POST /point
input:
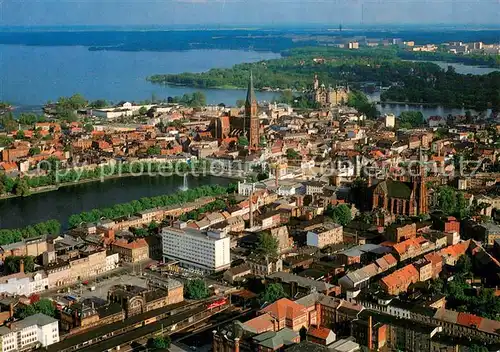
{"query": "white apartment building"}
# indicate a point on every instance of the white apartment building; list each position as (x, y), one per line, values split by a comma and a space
(22, 284)
(205, 250)
(34, 331)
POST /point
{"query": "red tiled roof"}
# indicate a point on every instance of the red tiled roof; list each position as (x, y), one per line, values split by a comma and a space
(8, 166)
(389, 258)
(138, 243)
(402, 247)
(261, 324)
(434, 258)
(284, 309)
(469, 319)
(319, 332)
(456, 250)
(400, 277)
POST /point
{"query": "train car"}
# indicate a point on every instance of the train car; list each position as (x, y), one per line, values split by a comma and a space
(218, 303)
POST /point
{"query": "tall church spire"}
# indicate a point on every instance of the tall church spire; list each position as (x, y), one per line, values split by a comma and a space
(251, 113)
(250, 92)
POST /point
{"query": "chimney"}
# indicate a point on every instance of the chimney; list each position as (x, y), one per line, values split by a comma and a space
(318, 314)
(21, 266)
(110, 233)
(214, 341)
(236, 344)
(11, 310)
(370, 342)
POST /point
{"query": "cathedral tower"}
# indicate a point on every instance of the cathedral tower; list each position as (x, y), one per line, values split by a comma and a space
(251, 112)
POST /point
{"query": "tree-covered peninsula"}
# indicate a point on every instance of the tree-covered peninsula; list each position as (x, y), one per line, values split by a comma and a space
(406, 81)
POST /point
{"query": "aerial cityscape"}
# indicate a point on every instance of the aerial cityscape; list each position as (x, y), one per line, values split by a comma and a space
(226, 176)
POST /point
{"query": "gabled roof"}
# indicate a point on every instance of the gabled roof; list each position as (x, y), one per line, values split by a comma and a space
(284, 309)
(455, 250)
(319, 332)
(400, 276)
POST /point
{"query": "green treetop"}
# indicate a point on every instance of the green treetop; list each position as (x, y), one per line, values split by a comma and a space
(196, 289)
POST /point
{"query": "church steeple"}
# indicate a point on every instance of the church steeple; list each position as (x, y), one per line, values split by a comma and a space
(251, 112)
(250, 93)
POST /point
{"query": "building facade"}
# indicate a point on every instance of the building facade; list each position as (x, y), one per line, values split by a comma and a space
(205, 250)
(38, 330)
(322, 237)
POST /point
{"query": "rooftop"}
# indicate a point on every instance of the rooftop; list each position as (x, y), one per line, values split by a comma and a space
(301, 281)
(284, 309)
(275, 340)
(38, 319)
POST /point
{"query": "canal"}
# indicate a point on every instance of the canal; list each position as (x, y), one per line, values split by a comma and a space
(61, 204)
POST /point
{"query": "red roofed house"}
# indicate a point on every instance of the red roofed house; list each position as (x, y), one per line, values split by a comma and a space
(436, 262)
(451, 254)
(287, 314)
(407, 249)
(321, 335)
(400, 280)
(133, 251)
(8, 167)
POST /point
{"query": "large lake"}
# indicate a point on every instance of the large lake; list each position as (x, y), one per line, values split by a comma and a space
(61, 204)
(33, 75)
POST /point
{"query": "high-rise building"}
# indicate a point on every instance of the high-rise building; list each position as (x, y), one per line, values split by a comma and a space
(205, 250)
(251, 112)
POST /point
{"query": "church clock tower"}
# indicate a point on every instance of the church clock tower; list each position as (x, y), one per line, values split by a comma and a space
(251, 112)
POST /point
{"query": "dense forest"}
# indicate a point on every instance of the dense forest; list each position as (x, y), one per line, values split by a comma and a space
(449, 89)
(414, 82)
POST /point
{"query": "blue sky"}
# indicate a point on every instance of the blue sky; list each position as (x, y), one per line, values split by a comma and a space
(247, 12)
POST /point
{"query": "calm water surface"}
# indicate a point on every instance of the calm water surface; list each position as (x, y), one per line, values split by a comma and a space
(33, 75)
(61, 204)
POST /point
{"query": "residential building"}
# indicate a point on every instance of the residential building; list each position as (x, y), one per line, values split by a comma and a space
(390, 120)
(378, 331)
(314, 187)
(285, 242)
(321, 335)
(37, 330)
(62, 270)
(24, 284)
(452, 253)
(32, 246)
(205, 250)
(264, 266)
(131, 251)
(237, 273)
(400, 280)
(325, 236)
(399, 233)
